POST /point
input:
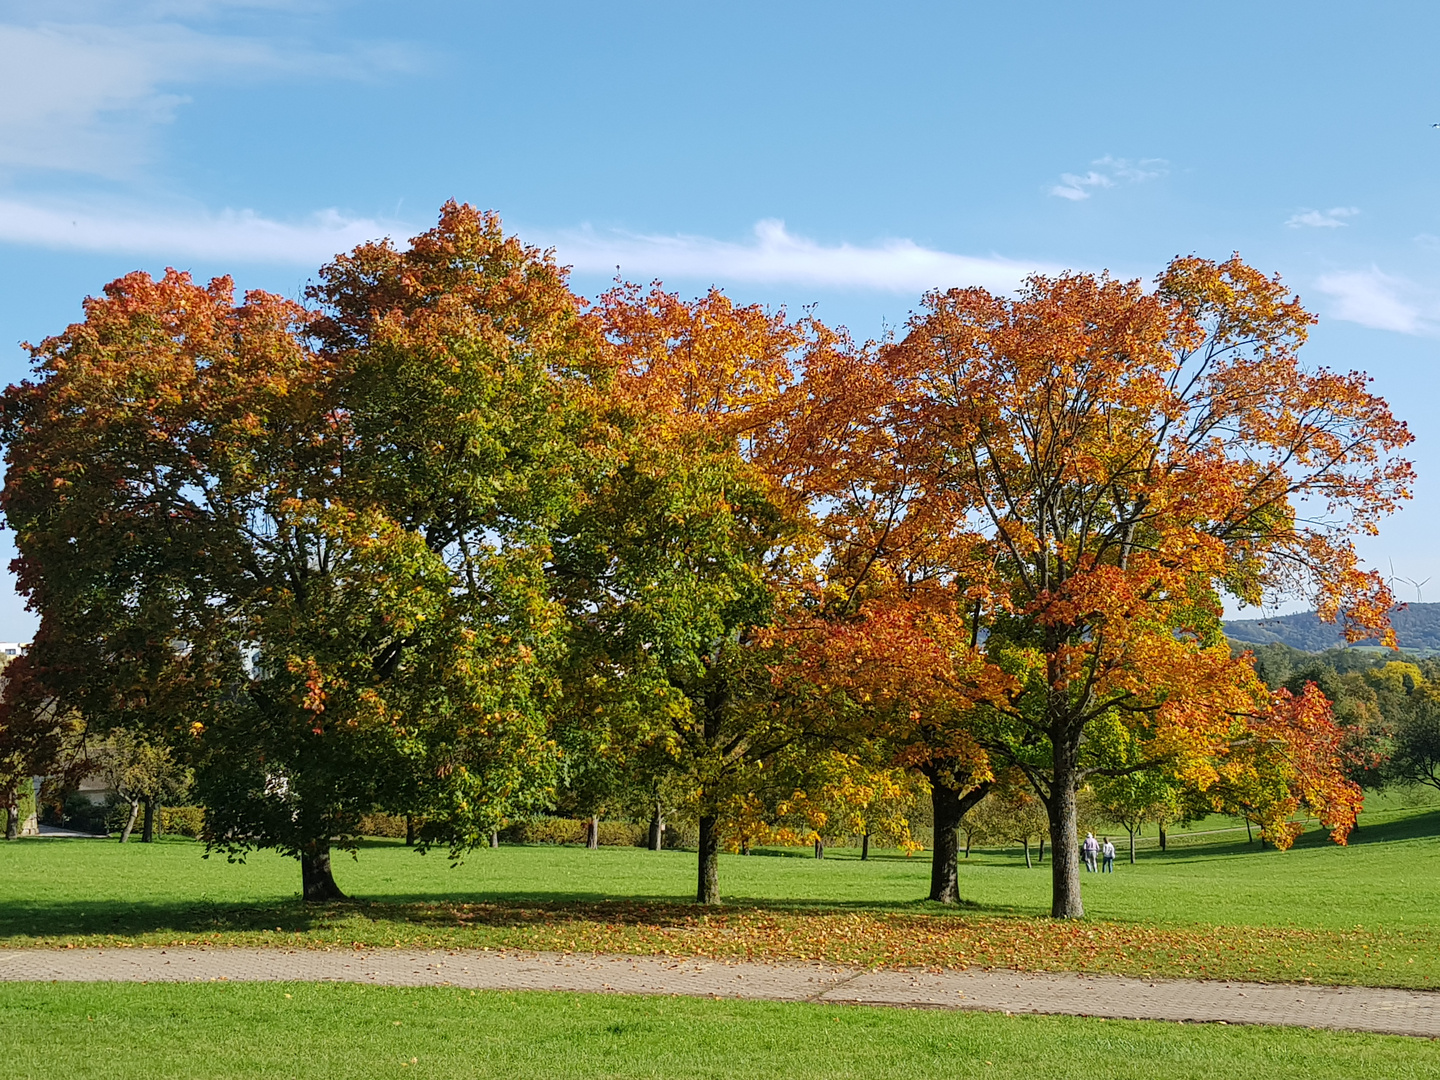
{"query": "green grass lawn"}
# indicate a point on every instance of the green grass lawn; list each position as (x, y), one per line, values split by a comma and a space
(1212, 905)
(323, 1030)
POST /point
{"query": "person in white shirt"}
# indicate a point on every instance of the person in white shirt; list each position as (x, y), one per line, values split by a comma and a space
(1090, 848)
(1108, 851)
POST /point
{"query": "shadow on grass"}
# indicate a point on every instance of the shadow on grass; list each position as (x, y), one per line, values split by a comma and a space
(194, 921)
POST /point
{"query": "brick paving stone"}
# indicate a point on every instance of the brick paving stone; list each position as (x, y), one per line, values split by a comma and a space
(1352, 1008)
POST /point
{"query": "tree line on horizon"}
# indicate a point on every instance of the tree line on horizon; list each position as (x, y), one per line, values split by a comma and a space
(452, 542)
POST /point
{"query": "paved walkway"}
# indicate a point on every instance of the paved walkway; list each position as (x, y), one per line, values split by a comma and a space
(1398, 1012)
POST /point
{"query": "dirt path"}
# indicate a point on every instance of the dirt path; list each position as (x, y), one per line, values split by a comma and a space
(1398, 1012)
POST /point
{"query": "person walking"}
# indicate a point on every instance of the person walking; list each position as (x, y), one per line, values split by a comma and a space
(1108, 852)
(1090, 848)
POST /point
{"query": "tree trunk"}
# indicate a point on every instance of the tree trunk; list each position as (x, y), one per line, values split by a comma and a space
(147, 829)
(968, 837)
(409, 830)
(708, 890)
(657, 830)
(1132, 846)
(1163, 837)
(819, 848)
(1065, 900)
(317, 881)
(1026, 842)
(592, 833)
(494, 838)
(865, 847)
(130, 821)
(950, 807)
(12, 822)
(1041, 857)
(1249, 836)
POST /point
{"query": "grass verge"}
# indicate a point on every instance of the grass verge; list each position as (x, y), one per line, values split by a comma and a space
(119, 1031)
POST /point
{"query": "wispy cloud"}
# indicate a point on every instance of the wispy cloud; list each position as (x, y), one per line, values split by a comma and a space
(179, 235)
(83, 96)
(1108, 172)
(1381, 301)
(775, 255)
(1334, 218)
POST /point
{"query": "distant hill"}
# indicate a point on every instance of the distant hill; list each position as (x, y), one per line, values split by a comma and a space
(1417, 627)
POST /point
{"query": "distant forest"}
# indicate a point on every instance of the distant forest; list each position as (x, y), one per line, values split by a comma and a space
(1417, 627)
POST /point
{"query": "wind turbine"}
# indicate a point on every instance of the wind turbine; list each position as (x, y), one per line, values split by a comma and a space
(1416, 585)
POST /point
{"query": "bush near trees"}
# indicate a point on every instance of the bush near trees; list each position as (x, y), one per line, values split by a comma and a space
(456, 545)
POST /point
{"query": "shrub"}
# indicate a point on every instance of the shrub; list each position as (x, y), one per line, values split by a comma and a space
(182, 820)
(558, 830)
(622, 834)
(382, 825)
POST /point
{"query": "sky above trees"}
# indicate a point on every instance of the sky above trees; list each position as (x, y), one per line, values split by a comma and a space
(832, 154)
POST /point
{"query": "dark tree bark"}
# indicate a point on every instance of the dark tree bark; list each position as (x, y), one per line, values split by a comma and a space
(317, 881)
(1066, 902)
(1249, 836)
(1132, 846)
(819, 848)
(409, 830)
(708, 890)
(1041, 857)
(657, 830)
(592, 833)
(949, 806)
(1164, 838)
(1026, 842)
(12, 822)
(864, 847)
(147, 828)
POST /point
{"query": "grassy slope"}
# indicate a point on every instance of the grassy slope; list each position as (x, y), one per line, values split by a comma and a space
(1212, 906)
(322, 1030)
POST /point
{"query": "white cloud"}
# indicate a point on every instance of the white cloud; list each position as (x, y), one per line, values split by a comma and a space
(1108, 172)
(83, 96)
(1334, 218)
(776, 255)
(1381, 301)
(240, 236)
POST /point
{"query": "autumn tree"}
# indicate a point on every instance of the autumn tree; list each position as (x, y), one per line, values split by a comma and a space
(1010, 813)
(694, 546)
(311, 551)
(908, 680)
(1102, 462)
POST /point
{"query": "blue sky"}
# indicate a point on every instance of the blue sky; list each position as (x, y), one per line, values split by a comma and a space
(846, 155)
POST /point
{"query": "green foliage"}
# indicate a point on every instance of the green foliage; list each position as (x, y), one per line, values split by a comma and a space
(559, 830)
(1416, 758)
(182, 821)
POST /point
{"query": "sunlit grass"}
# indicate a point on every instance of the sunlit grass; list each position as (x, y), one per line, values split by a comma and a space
(1211, 906)
(120, 1031)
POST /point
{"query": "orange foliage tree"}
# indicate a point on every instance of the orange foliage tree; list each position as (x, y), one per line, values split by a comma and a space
(1097, 463)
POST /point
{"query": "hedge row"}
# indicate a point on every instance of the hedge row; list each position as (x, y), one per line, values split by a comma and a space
(182, 820)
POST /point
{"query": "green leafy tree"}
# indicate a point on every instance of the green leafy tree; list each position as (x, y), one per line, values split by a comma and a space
(143, 774)
(1416, 757)
(312, 552)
